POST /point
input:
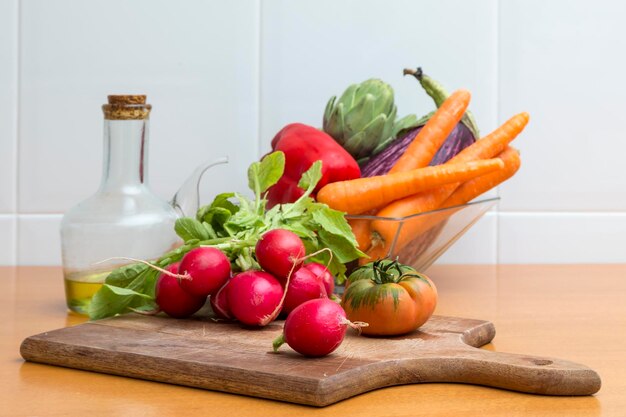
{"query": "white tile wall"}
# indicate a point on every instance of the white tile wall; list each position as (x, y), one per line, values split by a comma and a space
(311, 51)
(224, 77)
(37, 241)
(562, 62)
(8, 101)
(196, 60)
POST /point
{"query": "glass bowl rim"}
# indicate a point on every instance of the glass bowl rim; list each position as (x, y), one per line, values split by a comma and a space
(424, 213)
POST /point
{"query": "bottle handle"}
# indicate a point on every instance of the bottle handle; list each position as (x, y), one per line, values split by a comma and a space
(186, 201)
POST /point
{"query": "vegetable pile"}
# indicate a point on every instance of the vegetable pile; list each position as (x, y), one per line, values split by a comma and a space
(396, 178)
(283, 251)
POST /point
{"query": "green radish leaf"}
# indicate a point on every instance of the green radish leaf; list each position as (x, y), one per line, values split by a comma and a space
(105, 303)
(243, 220)
(125, 291)
(146, 307)
(334, 222)
(149, 285)
(111, 300)
(223, 201)
(274, 215)
(188, 228)
(210, 230)
(299, 229)
(343, 249)
(292, 211)
(262, 175)
(216, 217)
(311, 177)
(335, 267)
(220, 201)
(123, 276)
(114, 299)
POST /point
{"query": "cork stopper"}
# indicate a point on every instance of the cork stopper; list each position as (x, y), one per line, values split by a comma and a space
(126, 107)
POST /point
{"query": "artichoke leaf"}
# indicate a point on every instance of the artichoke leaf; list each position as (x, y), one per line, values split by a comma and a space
(334, 124)
(348, 97)
(398, 128)
(380, 90)
(354, 144)
(374, 130)
(359, 115)
(408, 122)
(329, 111)
(388, 129)
(361, 144)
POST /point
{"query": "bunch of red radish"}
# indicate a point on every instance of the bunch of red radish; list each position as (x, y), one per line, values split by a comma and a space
(256, 297)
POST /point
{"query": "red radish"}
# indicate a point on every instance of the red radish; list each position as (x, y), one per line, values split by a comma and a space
(280, 251)
(219, 303)
(172, 299)
(208, 270)
(254, 297)
(304, 285)
(315, 328)
(322, 271)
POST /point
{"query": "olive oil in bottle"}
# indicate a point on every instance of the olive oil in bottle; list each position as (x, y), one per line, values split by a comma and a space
(80, 288)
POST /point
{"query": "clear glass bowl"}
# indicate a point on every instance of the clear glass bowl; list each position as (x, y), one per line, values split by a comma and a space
(420, 239)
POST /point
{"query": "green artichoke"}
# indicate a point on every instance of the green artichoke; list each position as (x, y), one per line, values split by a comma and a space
(363, 120)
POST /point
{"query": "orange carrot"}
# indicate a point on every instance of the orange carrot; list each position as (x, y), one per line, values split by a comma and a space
(385, 236)
(426, 227)
(473, 188)
(466, 192)
(495, 142)
(384, 233)
(364, 194)
(362, 232)
(428, 141)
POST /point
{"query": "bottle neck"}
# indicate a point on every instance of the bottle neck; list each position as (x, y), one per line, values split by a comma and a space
(125, 155)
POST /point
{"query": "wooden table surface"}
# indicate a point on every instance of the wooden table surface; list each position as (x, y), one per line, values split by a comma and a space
(570, 312)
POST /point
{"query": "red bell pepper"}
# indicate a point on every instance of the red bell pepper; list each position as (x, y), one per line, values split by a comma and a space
(302, 146)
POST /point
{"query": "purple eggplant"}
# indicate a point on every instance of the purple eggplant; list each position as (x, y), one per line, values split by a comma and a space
(460, 138)
(464, 134)
(382, 162)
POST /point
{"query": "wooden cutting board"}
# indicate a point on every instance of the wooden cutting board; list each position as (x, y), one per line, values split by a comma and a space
(226, 357)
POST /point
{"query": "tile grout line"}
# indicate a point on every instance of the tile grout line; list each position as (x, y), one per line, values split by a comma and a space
(259, 57)
(497, 17)
(16, 129)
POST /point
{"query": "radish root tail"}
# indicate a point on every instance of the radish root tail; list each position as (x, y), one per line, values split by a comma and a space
(151, 265)
(267, 319)
(309, 256)
(356, 325)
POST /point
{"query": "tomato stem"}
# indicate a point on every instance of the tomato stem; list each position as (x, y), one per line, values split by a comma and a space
(384, 272)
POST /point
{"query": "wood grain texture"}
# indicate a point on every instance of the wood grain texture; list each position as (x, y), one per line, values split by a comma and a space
(227, 357)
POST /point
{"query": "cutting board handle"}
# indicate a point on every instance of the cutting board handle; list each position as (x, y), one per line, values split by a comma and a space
(532, 374)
